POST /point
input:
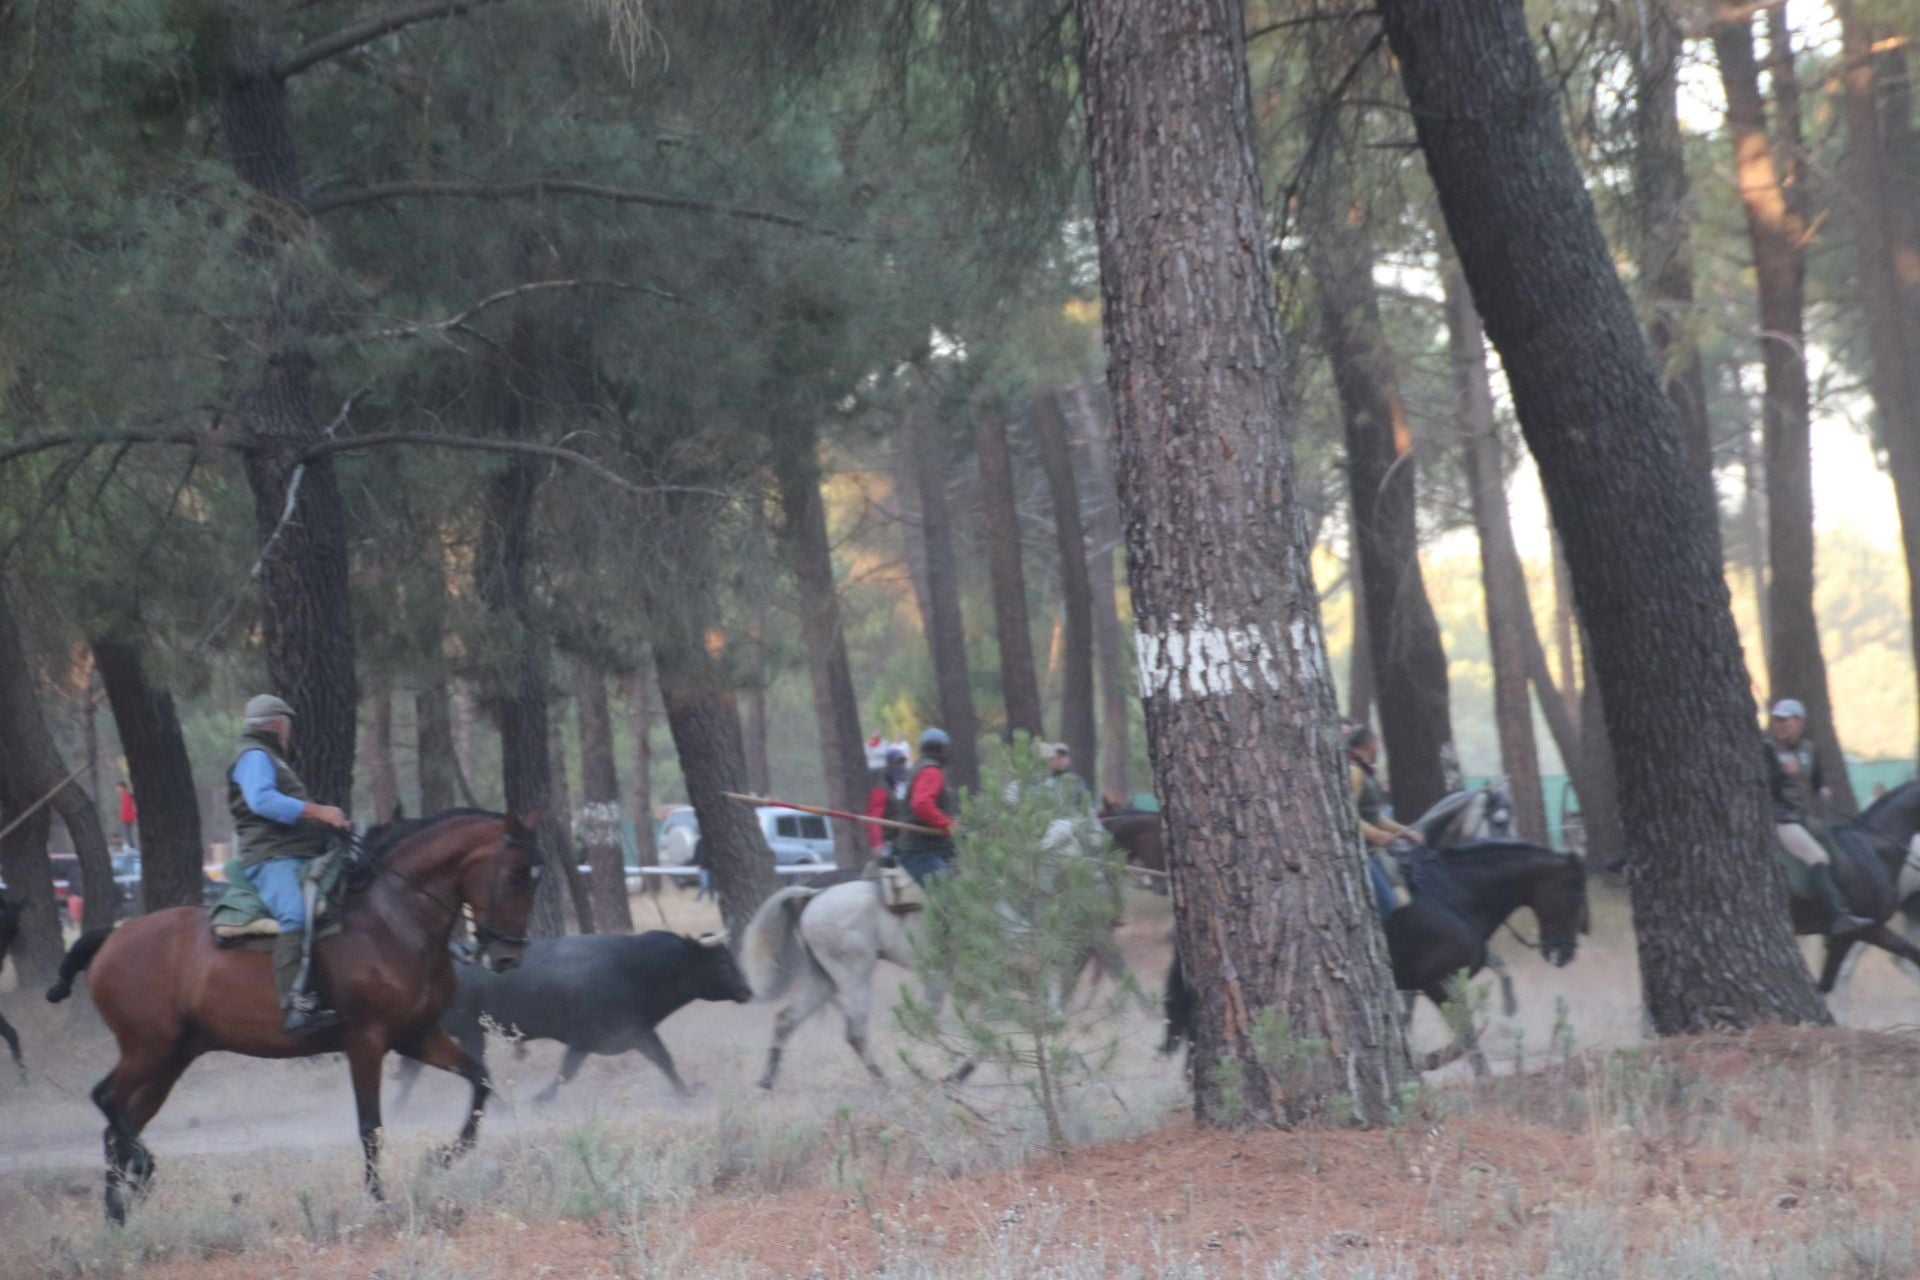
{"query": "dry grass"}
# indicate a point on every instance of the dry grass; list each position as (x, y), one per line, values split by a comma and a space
(1779, 1155)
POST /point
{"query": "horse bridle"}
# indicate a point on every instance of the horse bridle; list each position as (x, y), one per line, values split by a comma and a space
(484, 931)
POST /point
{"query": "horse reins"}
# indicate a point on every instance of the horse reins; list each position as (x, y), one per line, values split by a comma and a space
(483, 930)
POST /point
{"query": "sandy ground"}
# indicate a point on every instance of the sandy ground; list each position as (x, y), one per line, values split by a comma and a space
(301, 1114)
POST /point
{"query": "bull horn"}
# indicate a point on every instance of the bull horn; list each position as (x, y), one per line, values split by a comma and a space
(713, 939)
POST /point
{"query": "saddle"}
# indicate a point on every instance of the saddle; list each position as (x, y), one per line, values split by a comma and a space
(240, 919)
(899, 893)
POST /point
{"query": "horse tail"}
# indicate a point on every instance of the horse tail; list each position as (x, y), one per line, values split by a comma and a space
(78, 957)
(772, 952)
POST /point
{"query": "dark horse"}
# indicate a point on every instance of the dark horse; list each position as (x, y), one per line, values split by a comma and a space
(1137, 833)
(169, 993)
(1872, 867)
(1460, 897)
(9, 930)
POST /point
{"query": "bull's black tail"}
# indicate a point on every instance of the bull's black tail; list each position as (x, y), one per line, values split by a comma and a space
(79, 956)
(1178, 1005)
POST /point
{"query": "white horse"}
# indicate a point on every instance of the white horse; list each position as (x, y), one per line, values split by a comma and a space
(824, 945)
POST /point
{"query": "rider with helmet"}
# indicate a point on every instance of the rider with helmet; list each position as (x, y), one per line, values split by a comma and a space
(1379, 830)
(929, 803)
(279, 832)
(1793, 774)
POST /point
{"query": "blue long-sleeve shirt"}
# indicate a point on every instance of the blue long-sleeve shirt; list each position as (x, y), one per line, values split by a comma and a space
(254, 772)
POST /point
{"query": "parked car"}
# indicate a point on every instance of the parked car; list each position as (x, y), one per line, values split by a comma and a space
(796, 838)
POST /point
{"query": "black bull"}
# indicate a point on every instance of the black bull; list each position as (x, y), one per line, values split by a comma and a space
(596, 994)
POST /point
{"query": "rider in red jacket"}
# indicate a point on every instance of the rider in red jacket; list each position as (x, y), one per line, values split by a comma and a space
(889, 785)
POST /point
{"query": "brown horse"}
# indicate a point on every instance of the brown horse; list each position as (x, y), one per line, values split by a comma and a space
(1138, 834)
(169, 993)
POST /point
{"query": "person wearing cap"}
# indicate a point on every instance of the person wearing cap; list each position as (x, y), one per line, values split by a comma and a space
(927, 855)
(279, 831)
(888, 797)
(1069, 788)
(1379, 831)
(1793, 774)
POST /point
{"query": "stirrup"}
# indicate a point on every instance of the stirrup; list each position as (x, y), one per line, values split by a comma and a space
(308, 1016)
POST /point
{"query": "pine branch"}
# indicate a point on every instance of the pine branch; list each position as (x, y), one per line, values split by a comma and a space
(481, 444)
(124, 435)
(459, 320)
(352, 37)
(558, 186)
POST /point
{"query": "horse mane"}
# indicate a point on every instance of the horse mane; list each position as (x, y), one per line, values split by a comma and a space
(382, 840)
(1887, 800)
(1494, 858)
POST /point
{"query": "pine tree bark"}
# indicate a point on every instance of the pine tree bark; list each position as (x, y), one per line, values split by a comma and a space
(1110, 652)
(383, 780)
(705, 723)
(298, 510)
(946, 629)
(1503, 581)
(1887, 252)
(1715, 948)
(171, 850)
(433, 727)
(1666, 229)
(1076, 592)
(836, 710)
(1000, 530)
(1772, 179)
(600, 800)
(518, 698)
(1409, 663)
(560, 805)
(1268, 889)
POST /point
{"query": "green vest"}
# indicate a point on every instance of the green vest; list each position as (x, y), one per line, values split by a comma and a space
(260, 839)
(1370, 801)
(922, 842)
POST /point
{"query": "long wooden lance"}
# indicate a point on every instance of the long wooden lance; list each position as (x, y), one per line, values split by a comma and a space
(769, 802)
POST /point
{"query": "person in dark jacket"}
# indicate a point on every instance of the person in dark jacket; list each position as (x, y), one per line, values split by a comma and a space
(928, 855)
(887, 798)
(1793, 774)
(279, 832)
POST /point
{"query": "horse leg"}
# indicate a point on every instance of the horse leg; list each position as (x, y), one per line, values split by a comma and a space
(805, 1003)
(435, 1049)
(855, 1000)
(1508, 1004)
(129, 1097)
(655, 1051)
(569, 1067)
(1837, 949)
(12, 1038)
(365, 1052)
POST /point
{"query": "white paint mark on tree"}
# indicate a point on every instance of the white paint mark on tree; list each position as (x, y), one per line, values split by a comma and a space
(1205, 659)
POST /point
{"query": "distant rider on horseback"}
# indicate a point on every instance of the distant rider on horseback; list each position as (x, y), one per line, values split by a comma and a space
(1379, 831)
(1068, 787)
(279, 832)
(929, 803)
(1793, 772)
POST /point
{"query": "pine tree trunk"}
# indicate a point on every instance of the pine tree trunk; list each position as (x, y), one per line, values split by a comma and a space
(1772, 178)
(1409, 664)
(1271, 910)
(836, 710)
(706, 733)
(1715, 947)
(519, 697)
(759, 766)
(1665, 230)
(1111, 654)
(640, 702)
(1076, 592)
(383, 779)
(298, 510)
(171, 851)
(600, 800)
(1600, 802)
(946, 629)
(31, 759)
(433, 727)
(1503, 581)
(1360, 684)
(1885, 238)
(1565, 628)
(560, 805)
(1000, 530)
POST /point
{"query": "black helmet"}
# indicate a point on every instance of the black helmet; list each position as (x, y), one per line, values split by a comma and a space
(934, 742)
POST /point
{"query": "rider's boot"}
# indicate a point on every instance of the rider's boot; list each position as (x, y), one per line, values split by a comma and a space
(1841, 921)
(305, 1014)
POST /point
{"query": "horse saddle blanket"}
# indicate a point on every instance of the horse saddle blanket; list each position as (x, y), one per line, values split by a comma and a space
(241, 919)
(899, 893)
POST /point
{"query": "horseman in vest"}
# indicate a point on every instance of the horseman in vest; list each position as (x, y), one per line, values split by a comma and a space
(929, 803)
(279, 832)
(1793, 773)
(1379, 831)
